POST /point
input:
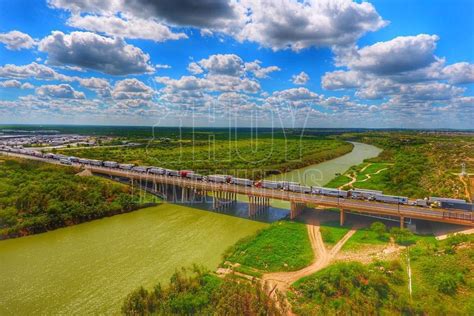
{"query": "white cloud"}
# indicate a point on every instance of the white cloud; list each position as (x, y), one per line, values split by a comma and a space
(132, 89)
(223, 64)
(275, 24)
(27, 85)
(133, 28)
(63, 91)
(162, 66)
(92, 51)
(339, 79)
(460, 73)
(10, 84)
(195, 69)
(298, 25)
(301, 78)
(402, 54)
(258, 70)
(16, 40)
(33, 70)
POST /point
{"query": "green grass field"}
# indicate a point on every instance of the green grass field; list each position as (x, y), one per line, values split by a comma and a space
(332, 232)
(362, 238)
(369, 175)
(283, 246)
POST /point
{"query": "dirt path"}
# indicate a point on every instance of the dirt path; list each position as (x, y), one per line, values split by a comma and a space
(466, 188)
(353, 179)
(367, 166)
(283, 280)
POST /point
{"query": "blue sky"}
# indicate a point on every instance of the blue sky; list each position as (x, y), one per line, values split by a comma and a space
(337, 63)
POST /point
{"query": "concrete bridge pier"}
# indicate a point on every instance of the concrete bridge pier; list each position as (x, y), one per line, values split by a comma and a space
(342, 217)
(257, 205)
(296, 209)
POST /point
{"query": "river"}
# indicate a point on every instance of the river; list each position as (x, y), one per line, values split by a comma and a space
(90, 268)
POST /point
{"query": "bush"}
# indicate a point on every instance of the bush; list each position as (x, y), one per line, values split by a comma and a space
(380, 229)
(446, 283)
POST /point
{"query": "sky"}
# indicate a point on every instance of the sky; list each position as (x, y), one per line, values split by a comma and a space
(245, 63)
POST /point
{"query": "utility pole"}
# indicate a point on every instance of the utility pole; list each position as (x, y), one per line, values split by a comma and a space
(463, 169)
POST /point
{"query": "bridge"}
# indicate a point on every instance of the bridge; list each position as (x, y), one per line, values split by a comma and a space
(223, 195)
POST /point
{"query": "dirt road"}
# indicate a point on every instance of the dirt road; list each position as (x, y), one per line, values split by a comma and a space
(283, 280)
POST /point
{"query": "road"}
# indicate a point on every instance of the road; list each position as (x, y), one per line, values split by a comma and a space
(349, 205)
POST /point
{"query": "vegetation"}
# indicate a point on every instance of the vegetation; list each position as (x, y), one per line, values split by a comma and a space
(420, 164)
(442, 278)
(283, 246)
(351, 288)
(239, 154)
(36, 197)
(201, 293)
(332, 232)
(379, 234)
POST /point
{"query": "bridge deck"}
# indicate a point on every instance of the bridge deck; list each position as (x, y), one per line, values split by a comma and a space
(351, 205)
(348, 205)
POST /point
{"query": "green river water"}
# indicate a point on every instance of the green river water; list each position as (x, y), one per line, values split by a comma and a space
(89, 268)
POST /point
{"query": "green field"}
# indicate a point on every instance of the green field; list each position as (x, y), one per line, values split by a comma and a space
(284, 246)
(242, 156)
(332, 232)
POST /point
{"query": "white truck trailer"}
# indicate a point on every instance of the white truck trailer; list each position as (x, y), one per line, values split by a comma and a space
(242, 181)
(110, 164)
(391, 199)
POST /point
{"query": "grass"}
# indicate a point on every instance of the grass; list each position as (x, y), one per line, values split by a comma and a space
(375, 170)
(332, 232)
(443, 277)
(364, 237)
(283, 246)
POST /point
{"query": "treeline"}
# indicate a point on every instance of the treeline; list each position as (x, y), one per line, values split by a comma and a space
(199, 292)
(37, 197)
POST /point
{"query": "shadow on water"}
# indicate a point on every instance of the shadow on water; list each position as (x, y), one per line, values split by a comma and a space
(240, 209)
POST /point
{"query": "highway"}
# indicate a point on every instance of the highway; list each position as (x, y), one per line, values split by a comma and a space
(348, 205)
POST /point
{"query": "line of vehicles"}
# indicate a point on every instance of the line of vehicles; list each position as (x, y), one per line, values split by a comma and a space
(359, 194)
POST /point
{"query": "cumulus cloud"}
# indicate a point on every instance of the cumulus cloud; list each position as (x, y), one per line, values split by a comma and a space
(27, 85)
(197, 13)
(132, 89)
(16, 40)
(275, 24)
(195, 69)
(96, 52)
(223, 64)
(401, 54)
(339, 79)
(259, 71)
(63, 91)
(134, 28)
(10, 84)
(301, 78)
(33, 70)
(460, 73)
(297, 25)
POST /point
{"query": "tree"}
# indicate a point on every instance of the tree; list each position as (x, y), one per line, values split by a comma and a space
(402, 235)
(379, 228)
